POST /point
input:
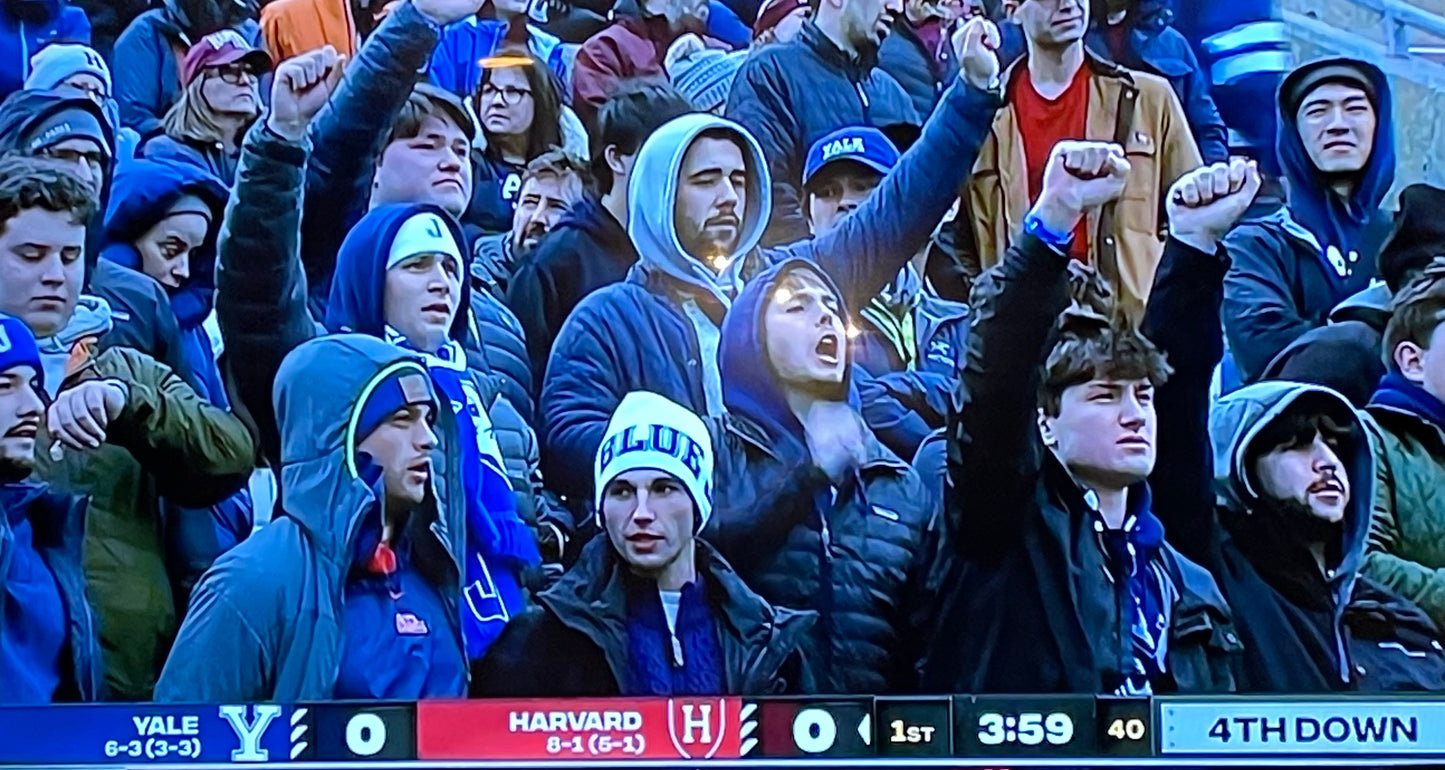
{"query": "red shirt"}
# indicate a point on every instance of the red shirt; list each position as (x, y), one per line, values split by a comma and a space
(1044, 123)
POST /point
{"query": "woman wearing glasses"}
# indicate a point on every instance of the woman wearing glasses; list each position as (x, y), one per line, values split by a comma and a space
(520, 114)
(220, 98)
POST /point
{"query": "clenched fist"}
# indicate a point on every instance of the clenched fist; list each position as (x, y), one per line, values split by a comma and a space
(1205, 203)
(79, 416)
(300, 88)
(1079, 176)
(974, 46)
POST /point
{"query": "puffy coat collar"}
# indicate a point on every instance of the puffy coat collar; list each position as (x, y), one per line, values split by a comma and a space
(856, 66)
(591, 599)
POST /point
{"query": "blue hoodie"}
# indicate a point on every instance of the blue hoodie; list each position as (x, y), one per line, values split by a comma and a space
(750, 386)
(456, 64)
(142, 193)
(19, 40)
(499, 547)
(1312, 204)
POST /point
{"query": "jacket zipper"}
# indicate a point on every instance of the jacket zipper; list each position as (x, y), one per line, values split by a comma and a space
(863, 97)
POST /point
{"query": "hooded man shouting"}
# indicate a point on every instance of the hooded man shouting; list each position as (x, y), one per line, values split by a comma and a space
(698, 204)
(651, 608)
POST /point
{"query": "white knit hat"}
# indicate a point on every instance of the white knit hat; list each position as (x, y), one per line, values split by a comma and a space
(649, 431)
(423, 233)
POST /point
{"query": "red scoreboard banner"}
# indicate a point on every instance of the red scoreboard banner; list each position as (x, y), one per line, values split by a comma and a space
(622, 729)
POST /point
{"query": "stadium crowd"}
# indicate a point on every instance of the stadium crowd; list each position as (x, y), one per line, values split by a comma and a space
(450, 348)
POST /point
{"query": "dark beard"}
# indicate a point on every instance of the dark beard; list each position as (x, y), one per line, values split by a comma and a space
(12, 470)
(1305, 527)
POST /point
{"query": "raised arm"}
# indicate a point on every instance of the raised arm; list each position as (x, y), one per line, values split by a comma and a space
(349, 132)
(866, 250)
(1182, 319)
(260, 287)
(1260, 316)
(995, 453)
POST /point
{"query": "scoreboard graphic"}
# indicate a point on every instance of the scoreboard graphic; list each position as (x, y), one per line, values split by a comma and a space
(913, 731)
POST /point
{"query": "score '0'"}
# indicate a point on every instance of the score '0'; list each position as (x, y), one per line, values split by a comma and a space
(365, 735)
(804, 725)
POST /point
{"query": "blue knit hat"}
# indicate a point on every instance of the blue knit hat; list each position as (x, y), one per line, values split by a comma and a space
(706, 77)
(54, 63)
(18, 348)
(403, 386)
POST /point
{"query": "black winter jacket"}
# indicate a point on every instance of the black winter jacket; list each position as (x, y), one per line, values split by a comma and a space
(1029, 607)
(858, 555)
(574, 644)
(1303, 630)
(792, 94)
(588, 249)
(1280, 286)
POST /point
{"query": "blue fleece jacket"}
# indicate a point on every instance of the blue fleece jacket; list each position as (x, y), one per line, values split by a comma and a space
(56, 21)
(34, 624)
(499, 547)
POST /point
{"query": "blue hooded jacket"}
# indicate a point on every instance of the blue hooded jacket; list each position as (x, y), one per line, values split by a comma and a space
(20, 39)
(499, 547)
(750, 386)
(142, 193)
(456, 64)
(268, 621)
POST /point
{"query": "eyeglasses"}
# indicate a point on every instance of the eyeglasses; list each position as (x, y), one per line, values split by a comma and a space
(510, 94)
(235, 73)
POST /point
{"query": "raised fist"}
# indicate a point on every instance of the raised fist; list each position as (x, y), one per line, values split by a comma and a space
(1079, 176)
(1205, 203)
(300, 88)
(974, 46)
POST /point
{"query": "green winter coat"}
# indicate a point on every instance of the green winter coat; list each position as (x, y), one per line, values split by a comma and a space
(1407, 535)
(167, 442)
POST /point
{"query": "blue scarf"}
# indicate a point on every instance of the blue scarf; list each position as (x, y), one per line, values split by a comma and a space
(499, 547)
(1397, 392)
(1144, 592)
(649, 644)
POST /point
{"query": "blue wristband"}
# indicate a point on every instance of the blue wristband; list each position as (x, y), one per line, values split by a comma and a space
(1035, 227)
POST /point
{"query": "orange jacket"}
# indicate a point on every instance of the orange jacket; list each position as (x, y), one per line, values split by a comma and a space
(293, 27)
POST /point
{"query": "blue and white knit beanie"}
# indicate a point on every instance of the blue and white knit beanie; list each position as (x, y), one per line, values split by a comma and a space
(53, 64)
(18, 347)
(703, 75)
(649, 431)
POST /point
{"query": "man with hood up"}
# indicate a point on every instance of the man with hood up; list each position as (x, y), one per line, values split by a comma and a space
(813, 511)
(1288, 271)
(262, 303)
(49, 646)
(1276, 505)
(150, 51)
(70, 127)
(123, 429)
(352, 591)
(163, 221)
(698, 205)
(650, 608)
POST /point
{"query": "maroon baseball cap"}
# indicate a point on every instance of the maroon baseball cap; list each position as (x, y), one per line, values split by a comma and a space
(219, 49)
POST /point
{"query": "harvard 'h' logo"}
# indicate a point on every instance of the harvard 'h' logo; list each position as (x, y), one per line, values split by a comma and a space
(696, 727)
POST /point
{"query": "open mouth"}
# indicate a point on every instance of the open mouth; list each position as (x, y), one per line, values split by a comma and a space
(1330, 487)
(437, 307)
(1133, 441)
(827, 348)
